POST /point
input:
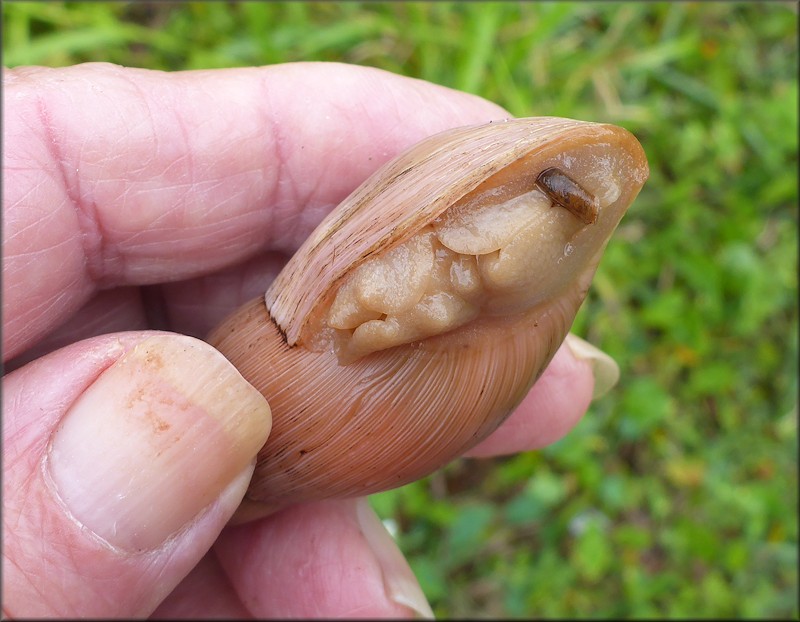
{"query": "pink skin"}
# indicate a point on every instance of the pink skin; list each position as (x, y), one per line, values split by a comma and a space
(135, 199)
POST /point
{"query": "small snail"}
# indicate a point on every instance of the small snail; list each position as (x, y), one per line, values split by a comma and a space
(564, 191)
(419, 313)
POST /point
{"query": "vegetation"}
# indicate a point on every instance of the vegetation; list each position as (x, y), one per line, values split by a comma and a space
(677, 495)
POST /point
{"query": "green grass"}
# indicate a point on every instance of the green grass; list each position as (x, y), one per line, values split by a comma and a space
(677, 495)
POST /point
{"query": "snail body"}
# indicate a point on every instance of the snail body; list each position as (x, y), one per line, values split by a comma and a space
(421, 310)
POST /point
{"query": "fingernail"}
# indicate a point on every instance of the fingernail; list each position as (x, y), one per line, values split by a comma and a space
(398, 579)
(154, 440)
(604, 368)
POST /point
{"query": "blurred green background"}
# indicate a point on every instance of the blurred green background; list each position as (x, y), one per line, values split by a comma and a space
(677, 495)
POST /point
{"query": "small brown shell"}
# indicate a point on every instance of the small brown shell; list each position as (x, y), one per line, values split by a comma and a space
(567, 193)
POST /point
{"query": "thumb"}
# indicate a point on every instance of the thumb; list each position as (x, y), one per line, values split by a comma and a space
(124, 457)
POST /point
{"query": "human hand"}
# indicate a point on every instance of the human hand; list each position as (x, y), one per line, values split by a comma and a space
(138, 200)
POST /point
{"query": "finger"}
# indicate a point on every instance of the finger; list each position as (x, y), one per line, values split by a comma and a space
(192, 307)
(578, 373)
(320, 560)
(124, 456)
(196, 306)
(108, 311)
(120, 176)
(206, 593)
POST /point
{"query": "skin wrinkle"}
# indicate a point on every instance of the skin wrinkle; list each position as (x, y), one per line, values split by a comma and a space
(256, 171)
(85, 212)
(160, 578)
(49, 591)
(281, 557)
(145, 247)
(320, 550)
(228, 584)
(305, 209)
(334, 560)
(235, 588)
(8, 613)
(31, 255)
(217, 596)
(191, 185)
(348, 151)
(201, 231)
(115, 269)
(105, 312)
(188, 159)
(53, 151)
(149, 121)
(28, 197)
(104, 276)
(43, 308)
(276, 155)
(399, 113)
(230, 217)
(324, 558)
(22, 459)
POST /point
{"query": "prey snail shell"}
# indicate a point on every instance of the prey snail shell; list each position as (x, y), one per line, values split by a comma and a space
(563, 190)
(420, 311)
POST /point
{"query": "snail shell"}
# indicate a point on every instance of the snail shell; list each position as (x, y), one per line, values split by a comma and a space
(419, 313)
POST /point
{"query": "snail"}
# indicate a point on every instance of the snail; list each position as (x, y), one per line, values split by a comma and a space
(421, 310)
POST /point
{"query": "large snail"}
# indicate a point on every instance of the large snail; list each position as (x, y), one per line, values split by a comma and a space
(421, 310)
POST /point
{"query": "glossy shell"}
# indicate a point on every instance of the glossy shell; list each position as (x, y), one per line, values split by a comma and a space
(354, 427)
(415, 188)
(566, 192)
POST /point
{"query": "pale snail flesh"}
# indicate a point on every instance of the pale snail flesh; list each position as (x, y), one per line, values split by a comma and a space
(421, 310)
